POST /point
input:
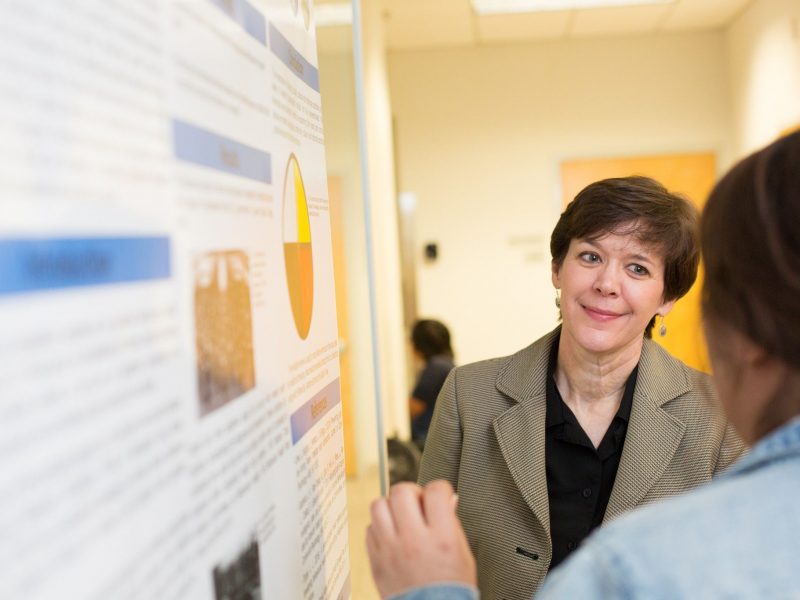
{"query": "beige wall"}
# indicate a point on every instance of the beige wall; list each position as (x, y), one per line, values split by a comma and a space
(763, 46)
(382, 198)
(481, 132)
(337, 80)
(337, 87)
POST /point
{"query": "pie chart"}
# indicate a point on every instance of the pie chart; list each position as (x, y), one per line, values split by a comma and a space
(297, 248)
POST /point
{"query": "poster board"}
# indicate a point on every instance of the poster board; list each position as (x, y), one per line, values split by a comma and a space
(170, 415)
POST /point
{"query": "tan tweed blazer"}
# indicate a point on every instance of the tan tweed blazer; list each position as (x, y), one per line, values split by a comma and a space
(488, 439)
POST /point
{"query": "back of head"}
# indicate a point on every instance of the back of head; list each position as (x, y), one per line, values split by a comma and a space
(431, 338)
(751, 247)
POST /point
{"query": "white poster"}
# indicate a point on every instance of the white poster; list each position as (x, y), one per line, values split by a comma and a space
(170, 416)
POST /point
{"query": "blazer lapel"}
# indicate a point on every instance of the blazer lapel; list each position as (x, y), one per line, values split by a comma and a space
(652, 439)
(653, 434)
(520, 430)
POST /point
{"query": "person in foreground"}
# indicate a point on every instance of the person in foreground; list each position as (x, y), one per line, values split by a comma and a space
(737, 537)
(593, 419)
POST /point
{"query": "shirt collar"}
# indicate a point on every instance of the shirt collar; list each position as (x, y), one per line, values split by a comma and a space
(555, 404)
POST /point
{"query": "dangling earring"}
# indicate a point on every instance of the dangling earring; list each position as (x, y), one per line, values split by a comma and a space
(662, 330)
(558, 298)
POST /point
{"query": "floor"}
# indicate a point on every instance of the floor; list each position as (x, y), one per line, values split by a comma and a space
(361, 491)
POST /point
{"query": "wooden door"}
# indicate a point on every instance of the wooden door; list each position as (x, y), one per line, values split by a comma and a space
(692, 175)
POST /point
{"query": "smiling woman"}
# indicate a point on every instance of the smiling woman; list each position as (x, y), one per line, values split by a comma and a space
(593, 419)
(610, 289)
(656, 232)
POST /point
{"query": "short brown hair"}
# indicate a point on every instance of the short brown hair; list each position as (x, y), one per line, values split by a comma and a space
(751, 248)
(431, 338)
(637, 206)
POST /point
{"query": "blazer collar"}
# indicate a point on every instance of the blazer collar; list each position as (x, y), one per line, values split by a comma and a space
(662, 377)
(652, 439)
(653, 433)
(525, 374)
(520, 430)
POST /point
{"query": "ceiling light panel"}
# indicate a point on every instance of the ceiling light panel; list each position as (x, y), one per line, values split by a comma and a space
(489, 7)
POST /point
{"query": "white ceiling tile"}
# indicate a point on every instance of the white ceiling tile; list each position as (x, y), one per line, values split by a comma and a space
(528, 26)
(433, 23)
(411, 34)
(703, 14)
(618, 20)
(418, 24)
(425, 5)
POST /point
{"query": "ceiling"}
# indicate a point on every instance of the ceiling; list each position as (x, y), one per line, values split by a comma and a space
(412, 24)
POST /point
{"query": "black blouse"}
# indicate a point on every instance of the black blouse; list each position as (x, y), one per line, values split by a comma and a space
(579, 476)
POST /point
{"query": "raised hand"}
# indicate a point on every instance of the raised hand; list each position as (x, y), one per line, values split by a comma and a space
(415, 539)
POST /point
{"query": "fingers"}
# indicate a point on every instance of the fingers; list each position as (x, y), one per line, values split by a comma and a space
(373, 551)
(399, 513)
(381, 538)
(439, 503)
(409, 510)
(381, 561)
(415, 539)
(383, 523)
(405, 500)
(396, 528)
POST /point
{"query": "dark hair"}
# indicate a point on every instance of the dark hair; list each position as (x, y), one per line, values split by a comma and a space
(642, 207)
(751, 248)
(431, 338)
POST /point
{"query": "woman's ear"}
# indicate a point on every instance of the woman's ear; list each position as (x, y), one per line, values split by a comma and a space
(664, 309)
(750, 352)
(733, 345)
(554, 269)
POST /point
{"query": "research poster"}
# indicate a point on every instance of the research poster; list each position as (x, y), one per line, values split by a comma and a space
(170, 415)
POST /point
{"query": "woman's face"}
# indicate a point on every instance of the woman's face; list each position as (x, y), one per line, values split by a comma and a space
(610, 289)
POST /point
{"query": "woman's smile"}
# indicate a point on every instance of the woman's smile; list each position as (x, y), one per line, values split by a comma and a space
(611, 287)
(599, 314)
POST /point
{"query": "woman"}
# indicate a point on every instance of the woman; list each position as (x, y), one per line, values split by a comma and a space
(738, 538)
(430, 340)
(594, 418)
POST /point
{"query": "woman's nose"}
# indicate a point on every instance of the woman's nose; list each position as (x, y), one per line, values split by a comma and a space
(607, 282)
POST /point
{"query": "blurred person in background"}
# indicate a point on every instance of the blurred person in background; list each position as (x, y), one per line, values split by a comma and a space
(433, 353)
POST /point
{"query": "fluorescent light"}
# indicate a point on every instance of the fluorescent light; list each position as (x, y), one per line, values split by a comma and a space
(493, 7)
(330, 15)
(407, 201)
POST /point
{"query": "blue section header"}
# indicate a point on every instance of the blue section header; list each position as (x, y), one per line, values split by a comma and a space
(205, 148)
(36, 265)
(289, 56)
(246, 15)
(311, 413)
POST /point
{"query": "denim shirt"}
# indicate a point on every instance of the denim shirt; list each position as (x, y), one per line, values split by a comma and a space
(738, 537)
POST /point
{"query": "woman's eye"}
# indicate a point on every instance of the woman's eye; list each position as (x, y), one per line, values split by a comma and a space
(639, 270)
(590, 257)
